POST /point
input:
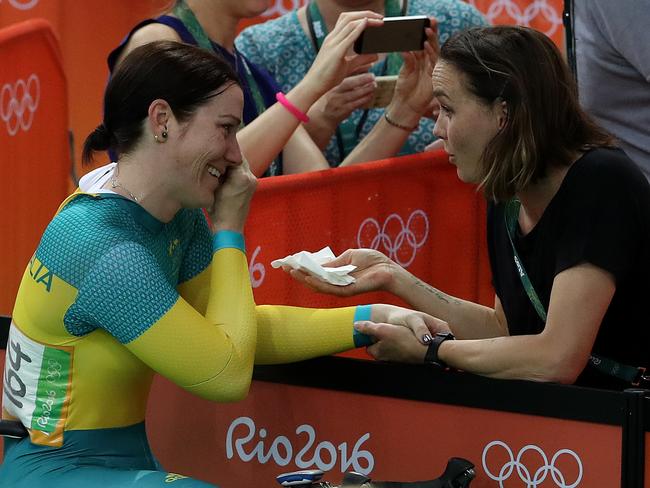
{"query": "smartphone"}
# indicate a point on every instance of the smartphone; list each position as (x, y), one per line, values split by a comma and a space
(396, 34)
(383, 92)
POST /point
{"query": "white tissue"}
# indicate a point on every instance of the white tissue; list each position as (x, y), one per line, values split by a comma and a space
(312, 263)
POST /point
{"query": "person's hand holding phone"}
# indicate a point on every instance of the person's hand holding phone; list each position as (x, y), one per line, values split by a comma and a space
(413, 96)
(353, 92)
(335, 59)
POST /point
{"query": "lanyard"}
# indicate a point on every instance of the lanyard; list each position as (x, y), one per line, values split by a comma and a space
(630, 374)
(318, 28)
(185, 14)
(347, 134)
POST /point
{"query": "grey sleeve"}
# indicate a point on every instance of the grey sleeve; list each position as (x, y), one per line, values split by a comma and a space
(624, 23)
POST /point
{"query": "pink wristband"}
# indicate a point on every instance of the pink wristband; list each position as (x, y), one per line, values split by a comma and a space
(295, 111)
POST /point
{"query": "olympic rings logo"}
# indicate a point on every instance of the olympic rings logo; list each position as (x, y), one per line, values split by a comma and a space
(18, 103)
(408, 240)
(522, 471)
(532, 10)
(22, 5)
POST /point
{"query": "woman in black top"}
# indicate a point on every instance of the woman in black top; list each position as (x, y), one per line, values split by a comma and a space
(568, 226)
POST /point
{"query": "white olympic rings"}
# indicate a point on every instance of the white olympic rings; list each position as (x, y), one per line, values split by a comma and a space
(22, 5)
(406, 236)
(532, 11)
(522, 471)
(18, 103)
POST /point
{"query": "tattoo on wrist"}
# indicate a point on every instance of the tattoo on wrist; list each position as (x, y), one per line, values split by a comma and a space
(437, 293)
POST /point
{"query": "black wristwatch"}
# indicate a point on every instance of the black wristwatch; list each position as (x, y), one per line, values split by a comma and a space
(431, 356)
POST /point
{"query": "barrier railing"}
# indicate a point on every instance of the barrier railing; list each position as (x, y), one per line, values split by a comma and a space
(34, 151)
(414, 209)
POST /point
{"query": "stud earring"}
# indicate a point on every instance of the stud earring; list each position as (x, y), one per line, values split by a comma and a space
(164, 133)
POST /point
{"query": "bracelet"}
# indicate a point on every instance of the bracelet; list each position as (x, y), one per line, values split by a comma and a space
(399, 126)
(295, 111)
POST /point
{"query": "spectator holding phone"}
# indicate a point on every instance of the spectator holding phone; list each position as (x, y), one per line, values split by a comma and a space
(288, 46)
(274, 140)
(568, 226)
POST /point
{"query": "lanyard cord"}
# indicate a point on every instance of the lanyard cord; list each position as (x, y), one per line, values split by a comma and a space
(347, 134)
(185, 14)
(630, 374)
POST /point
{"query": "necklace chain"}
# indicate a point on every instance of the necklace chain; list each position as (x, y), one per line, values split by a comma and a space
(117, 184)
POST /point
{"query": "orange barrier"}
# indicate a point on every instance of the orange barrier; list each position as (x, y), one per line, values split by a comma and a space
(412, 208)
(395, 422)
(86, 31)
(543, 15)
(34, 152)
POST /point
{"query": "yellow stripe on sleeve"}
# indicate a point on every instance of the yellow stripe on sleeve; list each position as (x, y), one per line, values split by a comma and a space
(287, 334)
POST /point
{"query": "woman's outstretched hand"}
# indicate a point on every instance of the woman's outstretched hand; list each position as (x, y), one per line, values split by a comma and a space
(392, 343)
(421, 325)
(374, 272)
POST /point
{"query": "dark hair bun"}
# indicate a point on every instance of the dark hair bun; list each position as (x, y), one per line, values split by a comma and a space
(98, 140)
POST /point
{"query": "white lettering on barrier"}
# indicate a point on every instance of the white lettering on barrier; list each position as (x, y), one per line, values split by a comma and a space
(257, 271)
(325, 454)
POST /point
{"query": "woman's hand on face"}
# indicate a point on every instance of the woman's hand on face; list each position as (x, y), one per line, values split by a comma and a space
(423, 326)
(352, 93)
(414, 87)
(374, 272)
(335, 59)
(232, 198)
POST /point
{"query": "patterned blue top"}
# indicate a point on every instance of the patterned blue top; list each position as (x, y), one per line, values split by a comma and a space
(124, 263)
(284, 50)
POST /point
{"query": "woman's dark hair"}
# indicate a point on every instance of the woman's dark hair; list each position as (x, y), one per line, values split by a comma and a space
(184, 76)
(545, 124)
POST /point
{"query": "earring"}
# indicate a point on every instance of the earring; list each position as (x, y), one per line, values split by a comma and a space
(163, 136)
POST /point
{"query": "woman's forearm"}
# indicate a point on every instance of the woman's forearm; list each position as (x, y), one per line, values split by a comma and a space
(265, 137)
(385, 140)
(467, 320)
(525, 357)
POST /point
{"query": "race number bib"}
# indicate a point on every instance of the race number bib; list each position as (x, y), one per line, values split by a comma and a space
(36, 386)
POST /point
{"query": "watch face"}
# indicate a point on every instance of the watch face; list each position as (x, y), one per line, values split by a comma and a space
(431, 356)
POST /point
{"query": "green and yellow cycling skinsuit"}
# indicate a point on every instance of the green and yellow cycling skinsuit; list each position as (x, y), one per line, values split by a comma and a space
(113, 295)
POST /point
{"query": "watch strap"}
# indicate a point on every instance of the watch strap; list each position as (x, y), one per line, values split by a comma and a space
(431, 357)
